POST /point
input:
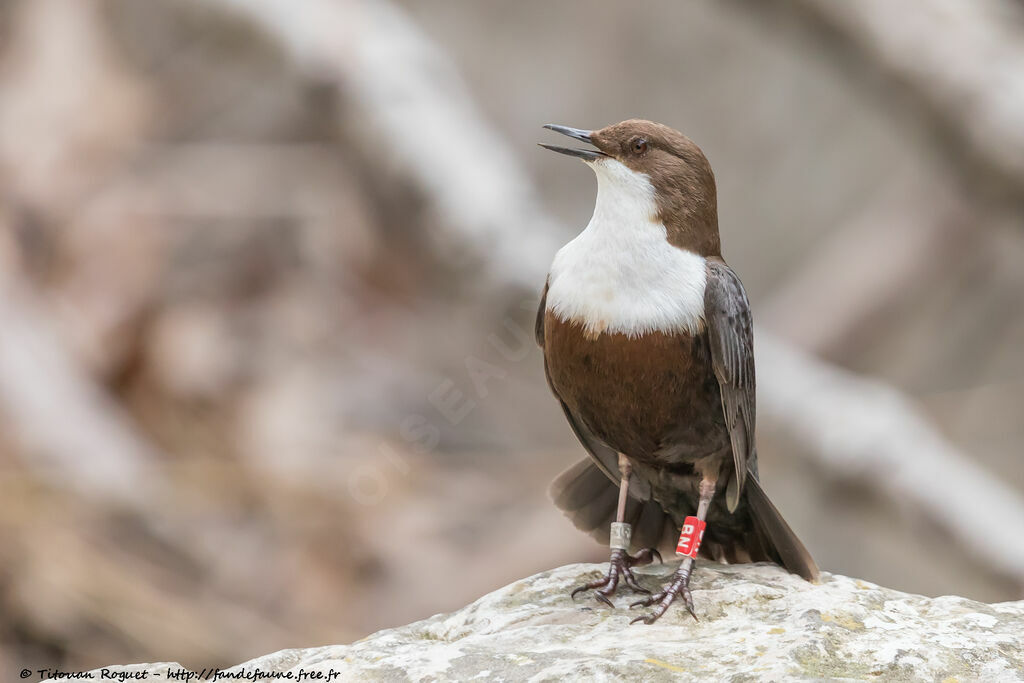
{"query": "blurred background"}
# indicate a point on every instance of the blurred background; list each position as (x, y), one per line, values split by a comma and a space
(268, 272)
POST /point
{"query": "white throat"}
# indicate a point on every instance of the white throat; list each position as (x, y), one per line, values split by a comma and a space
(621, 275)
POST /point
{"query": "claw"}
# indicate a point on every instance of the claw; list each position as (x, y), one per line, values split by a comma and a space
(588, 586)
(664, 599)
(688, 601)
(678, 587)
(619, 567)
(632, 583)
(646, 602)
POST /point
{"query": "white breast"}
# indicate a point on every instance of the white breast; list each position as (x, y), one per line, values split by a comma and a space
(621, 274)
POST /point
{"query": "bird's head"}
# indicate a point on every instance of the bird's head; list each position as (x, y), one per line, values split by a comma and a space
(638, 160)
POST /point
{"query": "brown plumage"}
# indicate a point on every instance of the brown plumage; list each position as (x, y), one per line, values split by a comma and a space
(678, 402)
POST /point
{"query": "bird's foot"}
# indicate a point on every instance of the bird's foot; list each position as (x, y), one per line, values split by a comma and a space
(620, 566)
(680, 586)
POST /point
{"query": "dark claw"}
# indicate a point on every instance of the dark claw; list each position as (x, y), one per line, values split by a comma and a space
(688, 601)
(619, 566)
(588, 586)
(631, 582)
(645, 602)
(679, 587)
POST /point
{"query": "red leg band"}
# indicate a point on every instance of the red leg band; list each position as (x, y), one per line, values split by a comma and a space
(690, 537)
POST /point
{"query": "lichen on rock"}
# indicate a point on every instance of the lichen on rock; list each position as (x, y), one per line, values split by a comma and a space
(756, 622)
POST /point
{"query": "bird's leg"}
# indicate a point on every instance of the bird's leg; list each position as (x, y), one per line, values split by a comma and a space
(621, 562)
(689, 542)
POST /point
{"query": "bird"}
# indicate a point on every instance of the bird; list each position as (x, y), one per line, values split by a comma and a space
(647, 341)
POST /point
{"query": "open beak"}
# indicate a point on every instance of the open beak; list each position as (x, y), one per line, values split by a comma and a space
(584, 135)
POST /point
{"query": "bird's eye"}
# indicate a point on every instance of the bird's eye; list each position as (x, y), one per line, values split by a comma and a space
(639, 145)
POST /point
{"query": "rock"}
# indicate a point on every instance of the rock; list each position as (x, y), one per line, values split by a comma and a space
(756, 623)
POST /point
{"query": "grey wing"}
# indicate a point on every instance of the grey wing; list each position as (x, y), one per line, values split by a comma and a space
(605, 457)
(731, 336)
(538, 326)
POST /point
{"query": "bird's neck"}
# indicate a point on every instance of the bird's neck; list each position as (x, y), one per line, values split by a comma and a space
(621, 274)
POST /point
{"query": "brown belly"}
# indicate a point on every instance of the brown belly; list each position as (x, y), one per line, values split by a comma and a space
(654, 398)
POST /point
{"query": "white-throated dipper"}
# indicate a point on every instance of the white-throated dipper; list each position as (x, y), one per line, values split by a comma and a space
(648, 346)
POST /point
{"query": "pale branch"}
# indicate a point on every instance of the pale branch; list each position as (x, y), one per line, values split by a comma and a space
(74, 435)
(868, 431)
(866, 263)
(418, 118)
(960, 62)
(413, 105)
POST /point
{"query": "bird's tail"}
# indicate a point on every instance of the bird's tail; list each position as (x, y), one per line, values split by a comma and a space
(774, 536)
(589, 499)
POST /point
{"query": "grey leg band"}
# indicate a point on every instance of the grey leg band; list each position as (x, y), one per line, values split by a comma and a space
(620, 536)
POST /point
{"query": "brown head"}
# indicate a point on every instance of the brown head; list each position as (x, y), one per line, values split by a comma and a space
(684, 186)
